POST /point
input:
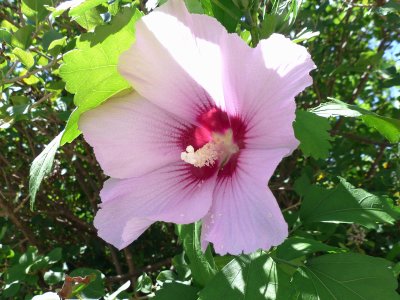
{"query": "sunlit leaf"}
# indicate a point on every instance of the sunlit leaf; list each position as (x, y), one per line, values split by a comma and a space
(41, 167)
(90, 72)
(254, 277)
(176, 291)
(344, 204)
(388, 127)
(201, 263)
(347, 276)
(313, 133)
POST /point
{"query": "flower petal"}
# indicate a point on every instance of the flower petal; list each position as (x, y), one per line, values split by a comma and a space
(178, 53)
(120, 231)
(170, 194)
(261, 84)
(245, 216)
(131, 136)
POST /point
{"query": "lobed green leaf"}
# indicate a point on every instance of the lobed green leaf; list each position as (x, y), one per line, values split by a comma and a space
(347, 276)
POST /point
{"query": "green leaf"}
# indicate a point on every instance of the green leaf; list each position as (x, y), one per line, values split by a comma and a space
(388, 127)
(166, 276)
(25, 57)
(181, 267)
(176, 291)
(346, 276)
(144, 284)
(122, 288)
(54, 255)
(295, 247)
(255, 277)
(89, 19)
(19, 100)
(268, 25)
(53, 277)
(313, 133)
(56, 46)
(90, 72)
(344, 204)
(194, 6)
(41, 166)
(227, 13)
(22, 38)
(368, 58)
(11, 289)
(201, 263)
(80, 9)
(84, 7)
(305, 35)
(50, 36)
(95, 289)
(5, 36)
(35, 10)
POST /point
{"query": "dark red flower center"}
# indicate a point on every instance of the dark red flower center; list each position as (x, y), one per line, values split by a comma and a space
(214, 144)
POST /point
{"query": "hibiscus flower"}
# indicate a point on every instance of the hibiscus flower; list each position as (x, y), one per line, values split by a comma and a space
(209, 122)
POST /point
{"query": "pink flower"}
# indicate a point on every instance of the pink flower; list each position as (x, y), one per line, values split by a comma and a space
(211, 120)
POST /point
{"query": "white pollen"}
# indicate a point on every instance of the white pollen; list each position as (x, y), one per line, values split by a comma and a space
(221, 148)
(204, 156)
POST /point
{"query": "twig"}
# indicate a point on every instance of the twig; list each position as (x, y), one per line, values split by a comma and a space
(131, 266)
(114, 259)
(33, 72)
(360, 138)
(21, 204)
(12, 68)
(374, 165)
(25, 230)
(291, 206)
(149, 268)
(61, 212)
(44, 98)
(340, 56)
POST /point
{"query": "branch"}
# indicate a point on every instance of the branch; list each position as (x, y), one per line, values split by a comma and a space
(360, 138)
(25, 230)
(33, 72)
(114, 259)
(374, 165)
(44, 98)
(131, 266)
(149, 268)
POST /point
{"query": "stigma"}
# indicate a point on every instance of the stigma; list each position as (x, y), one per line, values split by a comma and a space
(219, 149)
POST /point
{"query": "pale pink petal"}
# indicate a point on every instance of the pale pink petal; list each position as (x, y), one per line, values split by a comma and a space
(176, 60)
(170, 194)
(120, 230)
(260, 85)
(245, 216)
(131, 136)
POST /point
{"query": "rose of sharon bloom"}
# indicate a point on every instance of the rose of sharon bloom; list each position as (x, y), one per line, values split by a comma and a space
(211, 120)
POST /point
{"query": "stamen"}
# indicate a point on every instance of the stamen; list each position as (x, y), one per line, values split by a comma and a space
(205, 156)
(221, 147)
